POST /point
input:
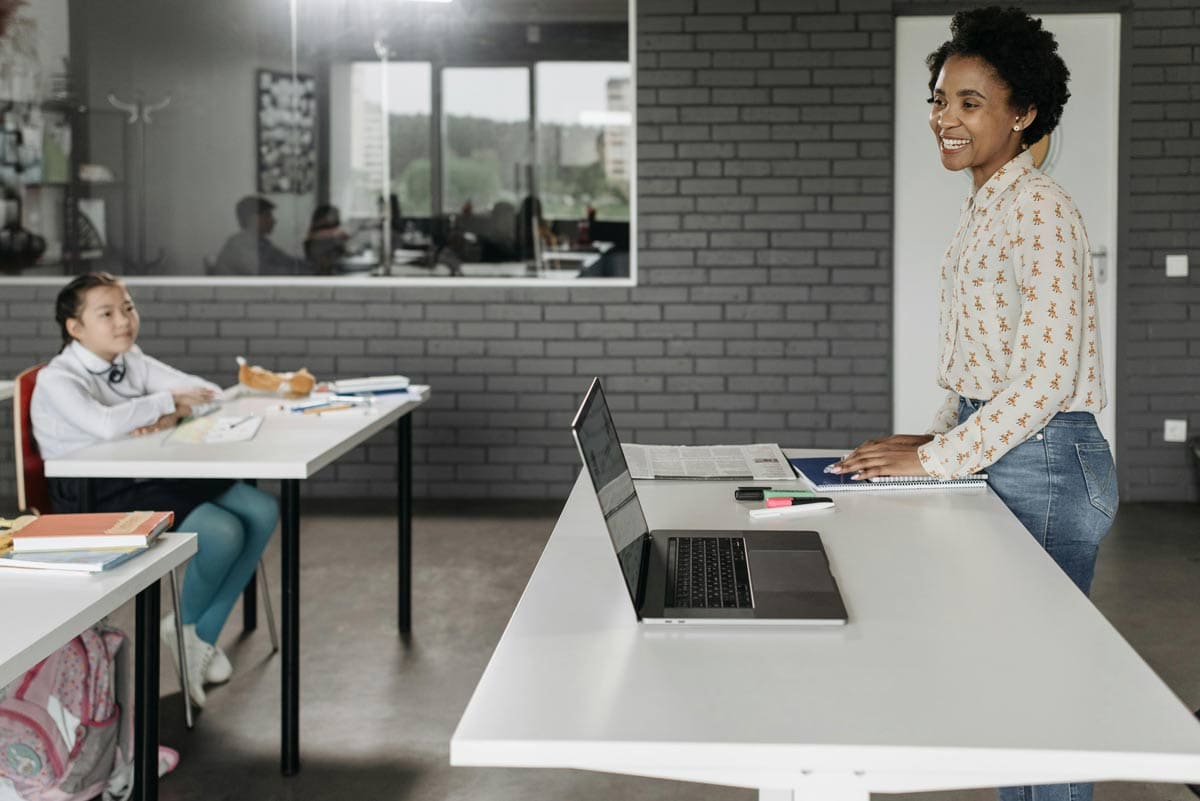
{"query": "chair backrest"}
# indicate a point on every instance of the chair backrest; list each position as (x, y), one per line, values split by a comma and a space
(33, 493)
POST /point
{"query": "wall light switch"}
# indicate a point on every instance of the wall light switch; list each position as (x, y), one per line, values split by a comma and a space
(1174, 430)
(1177, 265)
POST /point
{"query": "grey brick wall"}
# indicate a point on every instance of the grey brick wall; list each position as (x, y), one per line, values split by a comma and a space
(764, 310)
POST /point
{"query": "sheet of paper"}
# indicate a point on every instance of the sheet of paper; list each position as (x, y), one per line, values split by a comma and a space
(758, 462)
(214, 429)
(233, 429)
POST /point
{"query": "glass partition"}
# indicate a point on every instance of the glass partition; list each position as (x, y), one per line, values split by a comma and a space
(325, 140)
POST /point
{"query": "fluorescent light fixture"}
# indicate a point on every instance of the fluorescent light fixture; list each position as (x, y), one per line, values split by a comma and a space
(605, 118)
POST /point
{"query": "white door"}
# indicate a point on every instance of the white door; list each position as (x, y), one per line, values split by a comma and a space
(1082, 158)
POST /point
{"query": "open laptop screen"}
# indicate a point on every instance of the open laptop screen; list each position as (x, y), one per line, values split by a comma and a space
(601, 451)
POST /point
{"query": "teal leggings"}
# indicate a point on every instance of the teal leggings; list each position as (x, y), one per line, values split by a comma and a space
(234, 529)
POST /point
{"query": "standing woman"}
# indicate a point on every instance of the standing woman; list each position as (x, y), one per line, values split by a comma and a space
(102, 387)
(1019, 335)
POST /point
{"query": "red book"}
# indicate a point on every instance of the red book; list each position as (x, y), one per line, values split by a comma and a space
(90, 531)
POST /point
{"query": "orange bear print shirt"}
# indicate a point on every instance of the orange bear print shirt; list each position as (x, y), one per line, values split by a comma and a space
(1016, 285)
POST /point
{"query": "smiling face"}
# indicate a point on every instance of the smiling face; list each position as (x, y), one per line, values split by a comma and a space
(972, 118)
(107, 322)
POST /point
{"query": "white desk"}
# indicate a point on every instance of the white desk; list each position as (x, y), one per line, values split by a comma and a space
(64, 605)
(6, 389)
(290, 447)
(938, 681)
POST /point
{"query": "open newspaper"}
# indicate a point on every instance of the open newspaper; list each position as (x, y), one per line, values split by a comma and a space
(760, 462)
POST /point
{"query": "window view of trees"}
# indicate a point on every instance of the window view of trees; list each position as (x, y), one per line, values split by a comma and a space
(583, 135)
(486, 136)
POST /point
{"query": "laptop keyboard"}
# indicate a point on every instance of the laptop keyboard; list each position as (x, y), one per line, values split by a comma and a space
(707, 573)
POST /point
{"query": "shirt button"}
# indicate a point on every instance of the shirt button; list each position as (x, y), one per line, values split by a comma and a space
(1041, 436)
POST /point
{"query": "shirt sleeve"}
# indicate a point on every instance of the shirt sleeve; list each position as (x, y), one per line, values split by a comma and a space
(1045, 234)
(67, 397)
(946, 416)
(162, 377)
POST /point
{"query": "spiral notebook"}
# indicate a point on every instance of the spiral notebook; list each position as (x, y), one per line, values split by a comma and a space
(812, 470)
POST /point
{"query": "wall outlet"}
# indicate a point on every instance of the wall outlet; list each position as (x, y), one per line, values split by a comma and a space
(1177, 265)
(1174, 430)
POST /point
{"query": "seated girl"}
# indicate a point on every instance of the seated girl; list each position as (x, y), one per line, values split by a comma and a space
(102, 387)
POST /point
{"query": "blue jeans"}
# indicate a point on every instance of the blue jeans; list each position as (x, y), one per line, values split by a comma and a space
(1062, 485)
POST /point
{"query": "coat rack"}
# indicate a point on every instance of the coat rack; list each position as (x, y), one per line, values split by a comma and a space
(140, 115)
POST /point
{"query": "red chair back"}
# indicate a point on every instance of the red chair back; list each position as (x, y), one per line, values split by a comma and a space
(33, 492)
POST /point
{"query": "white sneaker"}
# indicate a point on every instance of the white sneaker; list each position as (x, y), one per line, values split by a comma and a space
(199, 655)
(220, 668)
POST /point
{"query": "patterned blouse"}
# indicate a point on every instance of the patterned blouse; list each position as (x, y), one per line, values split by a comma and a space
(1017, 318)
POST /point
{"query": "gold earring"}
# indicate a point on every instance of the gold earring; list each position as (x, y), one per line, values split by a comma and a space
(1016, 127)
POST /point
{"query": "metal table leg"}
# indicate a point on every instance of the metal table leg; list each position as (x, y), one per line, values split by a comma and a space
(290, 664)
(145, 695)
(404, 515)
(250, 594)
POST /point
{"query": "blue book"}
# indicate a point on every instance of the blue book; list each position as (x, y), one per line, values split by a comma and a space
(812, 470)
(79, 561)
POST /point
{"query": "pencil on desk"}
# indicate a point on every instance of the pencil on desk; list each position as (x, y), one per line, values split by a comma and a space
(336, 407)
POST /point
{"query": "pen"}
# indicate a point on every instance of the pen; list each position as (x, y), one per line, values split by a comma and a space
(304, 407)
(759, 493)
(329, 407)
(237, 422)
(812, 505)
(800, 500)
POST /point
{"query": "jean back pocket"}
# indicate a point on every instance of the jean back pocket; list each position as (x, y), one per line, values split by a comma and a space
(1099, 474)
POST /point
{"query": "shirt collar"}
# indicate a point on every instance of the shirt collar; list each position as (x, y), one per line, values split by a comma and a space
(91, 362)
(1003, 178)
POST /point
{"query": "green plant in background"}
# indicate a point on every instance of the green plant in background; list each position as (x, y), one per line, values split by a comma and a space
(482, 163)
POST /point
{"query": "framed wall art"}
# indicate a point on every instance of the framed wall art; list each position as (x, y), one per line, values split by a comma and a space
(286, 119)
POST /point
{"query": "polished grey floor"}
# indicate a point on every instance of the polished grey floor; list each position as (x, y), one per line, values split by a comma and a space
(377, 712)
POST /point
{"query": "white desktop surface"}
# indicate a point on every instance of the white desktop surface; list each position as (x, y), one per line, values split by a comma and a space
(287, 445)
(940, 680)
(7, 388)
(44, 609)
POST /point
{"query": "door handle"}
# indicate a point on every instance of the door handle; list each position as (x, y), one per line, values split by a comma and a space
(1100, 260)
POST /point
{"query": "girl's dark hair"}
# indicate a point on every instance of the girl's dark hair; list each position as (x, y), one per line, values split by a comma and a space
(1023, 54)
(325, 216)
(70, 300)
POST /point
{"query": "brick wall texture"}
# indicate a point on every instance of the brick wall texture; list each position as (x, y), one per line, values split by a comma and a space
(763, 311)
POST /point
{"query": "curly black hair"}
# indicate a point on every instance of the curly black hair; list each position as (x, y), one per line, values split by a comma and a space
(1023, 54)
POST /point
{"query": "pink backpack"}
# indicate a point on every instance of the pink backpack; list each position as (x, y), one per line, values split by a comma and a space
(62, 731)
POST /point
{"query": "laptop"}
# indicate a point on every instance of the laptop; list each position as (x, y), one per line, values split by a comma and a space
(707, 577)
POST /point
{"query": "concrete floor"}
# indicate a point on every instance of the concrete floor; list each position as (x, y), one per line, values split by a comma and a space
(377, 713)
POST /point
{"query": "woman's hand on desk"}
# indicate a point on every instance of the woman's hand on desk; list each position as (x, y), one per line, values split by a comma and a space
(891, 456)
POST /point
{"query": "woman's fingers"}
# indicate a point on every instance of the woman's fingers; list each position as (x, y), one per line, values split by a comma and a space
(890, 457)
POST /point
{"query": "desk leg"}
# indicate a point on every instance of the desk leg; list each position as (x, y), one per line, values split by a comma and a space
(250, 593)
(290, 664)
(404, 514)
(145, 695)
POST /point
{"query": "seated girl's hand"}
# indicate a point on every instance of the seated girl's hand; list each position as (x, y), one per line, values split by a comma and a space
(192, 396)
(168, 420)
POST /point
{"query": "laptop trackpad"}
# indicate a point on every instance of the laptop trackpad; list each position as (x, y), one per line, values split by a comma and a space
(789, 571)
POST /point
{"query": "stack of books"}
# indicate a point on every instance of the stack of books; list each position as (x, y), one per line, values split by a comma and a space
(82, 543)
